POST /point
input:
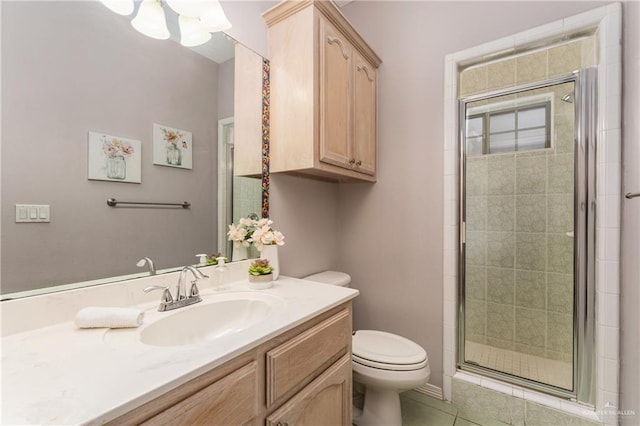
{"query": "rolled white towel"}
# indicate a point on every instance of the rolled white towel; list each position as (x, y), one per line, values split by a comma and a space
(104, 317)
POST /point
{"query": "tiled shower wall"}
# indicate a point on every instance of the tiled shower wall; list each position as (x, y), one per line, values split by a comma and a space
(519, 265)
(247, 197)
(247, 200)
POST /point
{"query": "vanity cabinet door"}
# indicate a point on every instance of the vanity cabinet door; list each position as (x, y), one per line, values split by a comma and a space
(325, 401)
(336, 57)
(295, 363)
(364, 116)
(229, 401)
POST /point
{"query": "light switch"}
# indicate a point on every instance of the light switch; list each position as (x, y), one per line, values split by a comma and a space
(21, 212)
(43, 212)
(32, 213)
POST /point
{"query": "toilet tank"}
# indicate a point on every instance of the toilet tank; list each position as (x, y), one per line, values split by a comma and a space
(331, 277)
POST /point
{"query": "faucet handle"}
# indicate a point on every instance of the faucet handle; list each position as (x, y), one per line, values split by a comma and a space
(194, 292)
(166, 294)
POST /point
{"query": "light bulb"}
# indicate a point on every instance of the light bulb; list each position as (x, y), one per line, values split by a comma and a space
(214, 19)
(192, 33)
(121, 7)
(150, 20)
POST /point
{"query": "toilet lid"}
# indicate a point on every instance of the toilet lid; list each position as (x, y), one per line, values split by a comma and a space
(385, 350)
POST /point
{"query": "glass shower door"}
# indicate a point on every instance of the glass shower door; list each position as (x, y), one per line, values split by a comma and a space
(518, 234)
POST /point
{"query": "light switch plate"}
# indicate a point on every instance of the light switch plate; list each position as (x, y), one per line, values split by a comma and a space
(33, 213)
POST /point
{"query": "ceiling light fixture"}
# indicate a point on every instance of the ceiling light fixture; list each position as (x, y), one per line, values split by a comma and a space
(197, 19)
(151, 21)
(190, 8)
(214, 18)
(192, 32)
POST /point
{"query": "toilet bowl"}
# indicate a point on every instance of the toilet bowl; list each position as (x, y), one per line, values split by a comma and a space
(385, 363)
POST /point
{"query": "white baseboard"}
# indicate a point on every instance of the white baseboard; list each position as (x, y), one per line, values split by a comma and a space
(431, 390)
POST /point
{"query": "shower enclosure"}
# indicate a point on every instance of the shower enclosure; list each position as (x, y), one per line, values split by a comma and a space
(527, 179)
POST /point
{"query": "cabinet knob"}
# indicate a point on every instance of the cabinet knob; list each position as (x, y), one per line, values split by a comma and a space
(358, 163)
(282, 424)
(352, 161)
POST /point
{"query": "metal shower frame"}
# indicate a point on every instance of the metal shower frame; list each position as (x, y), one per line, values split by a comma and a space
(585, 142)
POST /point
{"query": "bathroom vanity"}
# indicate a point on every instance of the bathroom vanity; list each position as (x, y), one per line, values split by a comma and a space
(302, 376)
(293, 366)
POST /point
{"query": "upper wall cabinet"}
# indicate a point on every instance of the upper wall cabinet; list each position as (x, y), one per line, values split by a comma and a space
(247, 138)
(323, 93)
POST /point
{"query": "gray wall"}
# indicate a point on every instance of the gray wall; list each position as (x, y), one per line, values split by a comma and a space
(67, 72)
(248, 26)
(306, 211)
(226, 76)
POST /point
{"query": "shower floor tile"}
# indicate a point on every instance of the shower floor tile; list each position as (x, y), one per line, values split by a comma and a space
(540, 369)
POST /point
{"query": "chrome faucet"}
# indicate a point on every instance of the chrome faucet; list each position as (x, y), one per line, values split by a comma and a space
(168, 302)
(181, 292)
(149, 262)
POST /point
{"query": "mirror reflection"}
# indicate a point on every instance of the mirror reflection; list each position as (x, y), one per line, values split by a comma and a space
(75, 69)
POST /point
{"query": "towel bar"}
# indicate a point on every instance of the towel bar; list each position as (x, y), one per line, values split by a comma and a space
(112, 202)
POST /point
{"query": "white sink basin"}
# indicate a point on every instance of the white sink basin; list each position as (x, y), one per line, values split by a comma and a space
(217, 316)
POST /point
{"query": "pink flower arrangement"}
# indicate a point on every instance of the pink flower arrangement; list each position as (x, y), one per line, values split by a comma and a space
(265, 235)
(257, 232)
(114, 147)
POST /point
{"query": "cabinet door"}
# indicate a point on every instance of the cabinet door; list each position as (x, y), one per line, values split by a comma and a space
(324, 402)
(229, 401)
(297, 361)
(336, 56)
(247, 113)
(364, 125)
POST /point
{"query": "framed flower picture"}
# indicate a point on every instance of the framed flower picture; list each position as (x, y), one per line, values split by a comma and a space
(114, 158)
(172, 147)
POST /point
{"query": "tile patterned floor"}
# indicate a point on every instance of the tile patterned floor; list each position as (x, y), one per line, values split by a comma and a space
(419, 409)
(422, 410)
(532, 367)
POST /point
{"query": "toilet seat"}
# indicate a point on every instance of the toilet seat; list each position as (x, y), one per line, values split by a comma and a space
(391, 367)
(387, 351)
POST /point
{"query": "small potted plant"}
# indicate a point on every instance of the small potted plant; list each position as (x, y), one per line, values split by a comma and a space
(260, 274)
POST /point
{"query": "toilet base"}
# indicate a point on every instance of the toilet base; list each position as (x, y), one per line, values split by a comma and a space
(381, 407)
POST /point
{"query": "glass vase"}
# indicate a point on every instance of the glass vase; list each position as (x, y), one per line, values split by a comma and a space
(239, 252)
(174, 155)
(270, 253)
(116, 167)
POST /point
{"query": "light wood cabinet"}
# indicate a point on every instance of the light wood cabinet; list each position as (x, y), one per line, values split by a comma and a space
(325, 401)
(364, 123)
(297, 361)
(229, 401)
(247, 138)
(323, 93)
(300, 377)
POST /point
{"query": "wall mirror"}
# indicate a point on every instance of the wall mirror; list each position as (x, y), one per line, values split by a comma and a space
(71, 69)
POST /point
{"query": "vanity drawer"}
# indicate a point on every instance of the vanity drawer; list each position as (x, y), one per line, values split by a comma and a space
(228, 401)
(297, 362)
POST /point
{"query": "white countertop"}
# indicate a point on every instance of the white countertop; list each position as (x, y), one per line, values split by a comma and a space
(63, 375)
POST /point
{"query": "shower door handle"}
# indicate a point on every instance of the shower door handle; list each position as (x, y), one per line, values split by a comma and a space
(463, 232)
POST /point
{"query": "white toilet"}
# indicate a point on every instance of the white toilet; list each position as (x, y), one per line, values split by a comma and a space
(385, 363)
